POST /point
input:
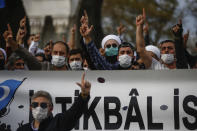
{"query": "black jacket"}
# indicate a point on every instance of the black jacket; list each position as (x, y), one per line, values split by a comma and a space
(62, 121)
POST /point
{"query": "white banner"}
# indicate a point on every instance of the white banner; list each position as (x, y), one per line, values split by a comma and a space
(120, 100)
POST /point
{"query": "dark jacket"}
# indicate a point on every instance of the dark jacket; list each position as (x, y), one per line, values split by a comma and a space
(32, 62)
(63, 121)
(181, 59)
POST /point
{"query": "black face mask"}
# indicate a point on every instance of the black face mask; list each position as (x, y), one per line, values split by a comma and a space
(2, 63)
(111, 59)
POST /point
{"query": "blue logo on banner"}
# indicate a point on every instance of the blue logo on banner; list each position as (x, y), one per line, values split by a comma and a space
(7, 91)
(2, 3)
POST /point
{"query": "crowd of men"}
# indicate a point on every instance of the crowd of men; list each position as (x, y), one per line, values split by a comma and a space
(114, 54)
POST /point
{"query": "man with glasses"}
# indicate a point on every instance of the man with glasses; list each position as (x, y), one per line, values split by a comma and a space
(123, 53)
(109, 48)
(42, 107)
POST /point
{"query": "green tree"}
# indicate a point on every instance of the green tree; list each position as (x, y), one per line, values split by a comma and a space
(159, 15)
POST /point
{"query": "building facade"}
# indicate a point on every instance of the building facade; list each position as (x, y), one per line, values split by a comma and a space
(58, 11)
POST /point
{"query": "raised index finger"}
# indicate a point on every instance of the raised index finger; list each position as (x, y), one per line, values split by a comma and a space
(83, 78)
(144, 13)
(180, 22)
(9, 28)
(85, 13)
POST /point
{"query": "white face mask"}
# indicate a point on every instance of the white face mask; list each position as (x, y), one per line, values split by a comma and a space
(39, 113)
(125, 61)
(76, 65)
(85, 68)
(58, 61)
(167, 58)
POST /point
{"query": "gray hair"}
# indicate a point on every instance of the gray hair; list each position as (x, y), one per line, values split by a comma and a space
(42, 94)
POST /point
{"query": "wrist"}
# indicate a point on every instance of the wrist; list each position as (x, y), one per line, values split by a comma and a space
(140, 26)
(88, 39)
(20, 42)
(84, 95)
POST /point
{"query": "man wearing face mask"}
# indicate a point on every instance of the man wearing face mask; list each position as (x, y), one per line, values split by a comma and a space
(3, 58)
(110, 45)
(60, 51)
(125, 56)
(75, 59)
(42, 107)
(145, 55)
(110, 49)
(168, 49)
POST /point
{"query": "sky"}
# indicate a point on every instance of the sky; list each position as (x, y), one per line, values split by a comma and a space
(188, 22)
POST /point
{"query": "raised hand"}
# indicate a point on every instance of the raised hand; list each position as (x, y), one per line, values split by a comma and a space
(141, 19)
(121, 29)
(23, 22)
(73, 29)
(8, 34)
(21, 32)
(185, 38)
(177, 29)
(37, 38)
(85, 19)
(85, 86)
(48, 49)
(71, 43)
(85, 30)
(9, 39)
(21, 35)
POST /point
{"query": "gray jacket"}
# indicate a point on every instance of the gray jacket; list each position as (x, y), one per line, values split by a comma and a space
(31, 61)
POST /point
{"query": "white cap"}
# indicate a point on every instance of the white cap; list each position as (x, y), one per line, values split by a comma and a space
(153, 49)
(4, 53)
(110, 37)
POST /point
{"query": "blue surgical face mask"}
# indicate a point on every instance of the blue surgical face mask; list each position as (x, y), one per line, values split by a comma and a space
(111, 51)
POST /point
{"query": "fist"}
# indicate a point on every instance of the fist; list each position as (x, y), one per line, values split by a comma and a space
(37, 38)
(140, 20)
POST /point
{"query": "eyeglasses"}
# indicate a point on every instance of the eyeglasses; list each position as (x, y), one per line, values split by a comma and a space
(113, 45)
(43, 105)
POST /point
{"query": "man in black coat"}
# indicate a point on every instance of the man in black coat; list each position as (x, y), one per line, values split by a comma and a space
(42, 106)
